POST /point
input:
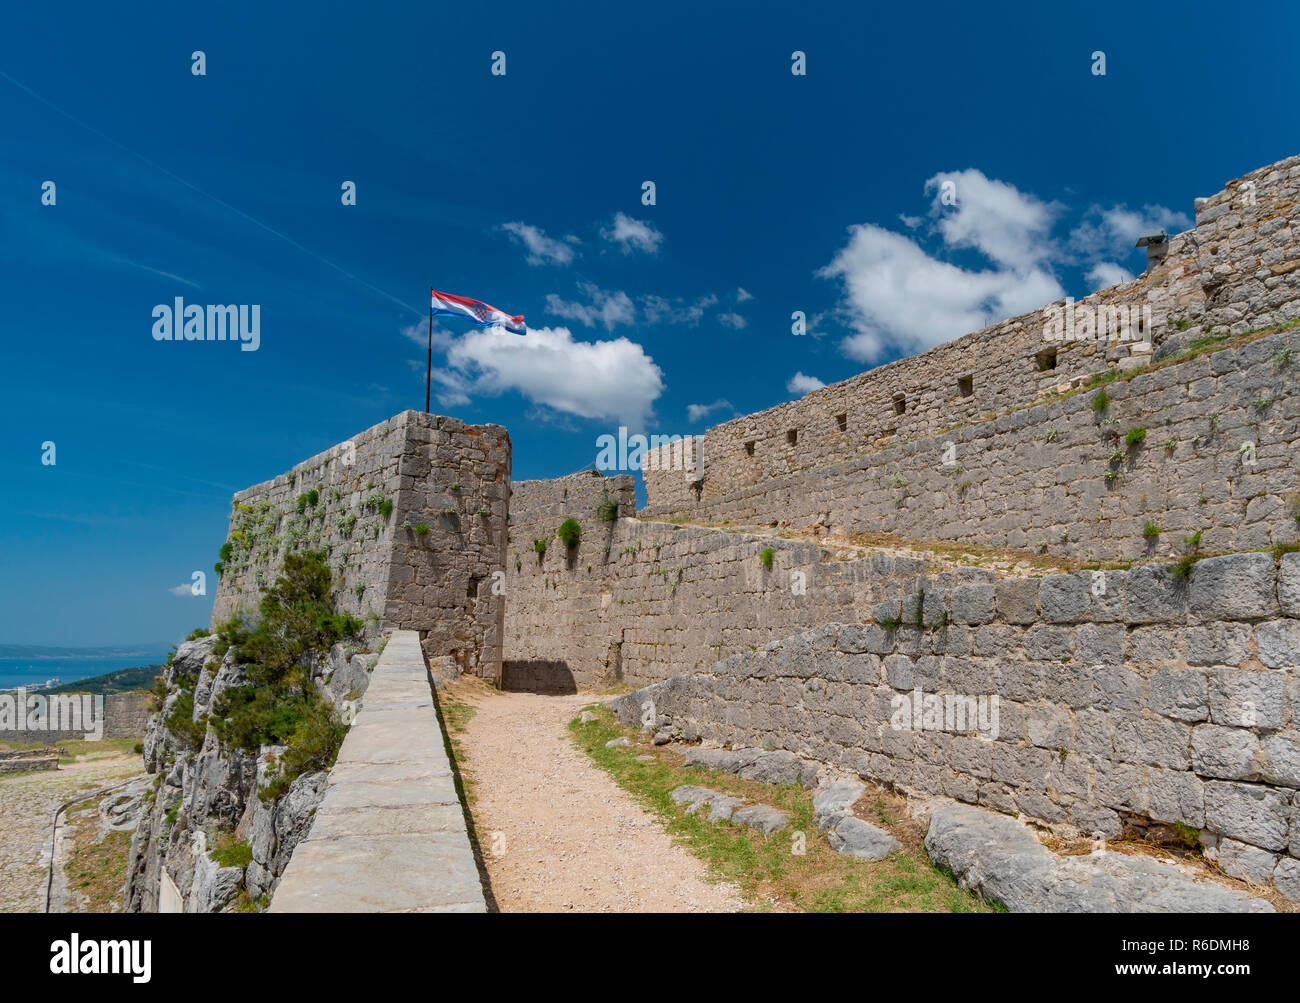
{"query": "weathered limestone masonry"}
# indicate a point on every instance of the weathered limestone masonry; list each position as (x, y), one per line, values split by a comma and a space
(126, 715)
(639, 601)
(1238, 270)
(675, 471)
(1060, 477)
(389, 834)
(412, 515)
(549, 645)
(1155, 700)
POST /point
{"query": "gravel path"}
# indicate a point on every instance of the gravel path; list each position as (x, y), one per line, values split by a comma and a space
(574, 840)
(27, 806)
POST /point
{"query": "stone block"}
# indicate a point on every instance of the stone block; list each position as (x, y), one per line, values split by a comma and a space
(1154, 595)
(1182, 694)
(1017, 600)
(972, 604)
(1288, 585)
(1278, 643)
(1224, 753)
(1279, 759)
(1247, 698)
(1153, 741)
(1064, 598)
(1254, 814)
(1176, 796)
(1235, 586)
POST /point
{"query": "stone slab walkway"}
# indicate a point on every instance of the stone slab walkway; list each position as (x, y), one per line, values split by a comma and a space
(572, 839)
(390, 834)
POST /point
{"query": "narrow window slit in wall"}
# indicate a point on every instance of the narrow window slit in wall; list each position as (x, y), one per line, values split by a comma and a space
(842, 422)
(900, 404)
(1046, 359)
(749, 449)
(965, 385)
(792, 436)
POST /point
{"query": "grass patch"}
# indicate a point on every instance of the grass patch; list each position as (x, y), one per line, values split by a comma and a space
(765, 868)
(569, 533)
(79, 750)
(456, 715)
(227, 851)
(607, 510)
(96, 870)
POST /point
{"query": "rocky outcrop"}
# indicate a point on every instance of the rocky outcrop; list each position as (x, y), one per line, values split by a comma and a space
(200, 795)
(1000, 858)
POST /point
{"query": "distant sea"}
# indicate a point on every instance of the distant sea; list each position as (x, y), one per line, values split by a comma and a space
(34, 671)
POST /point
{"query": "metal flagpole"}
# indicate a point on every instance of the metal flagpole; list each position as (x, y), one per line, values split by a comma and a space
(428, 362)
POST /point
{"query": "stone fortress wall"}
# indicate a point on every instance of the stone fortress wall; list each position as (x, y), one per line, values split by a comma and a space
(1150, 700)
(638, 601)
(412, 517)
(1061, 478)
(1161, 699)
(1238, 270)
(1155, 699)
(126, 715)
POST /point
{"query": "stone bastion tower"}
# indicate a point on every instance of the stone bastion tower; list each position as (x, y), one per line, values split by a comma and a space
(411, 515)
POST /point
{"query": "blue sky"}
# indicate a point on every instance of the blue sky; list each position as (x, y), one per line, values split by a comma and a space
(525, 190)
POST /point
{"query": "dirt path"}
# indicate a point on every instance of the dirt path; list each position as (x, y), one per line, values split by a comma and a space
(27, 806)
(574, 840)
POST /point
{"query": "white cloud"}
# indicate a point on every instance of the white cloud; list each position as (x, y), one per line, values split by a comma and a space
(732, 320)
(801, 384)
(659, 310)
(1107, 273)
(898, 296)
(633, 235)
(450, 389)
(542, 250)
(182, 590)
(694, 412)
(602, 306)
(1113, 232)
(1006, 225)
(743, 294)
(613, 379)
(418, 334)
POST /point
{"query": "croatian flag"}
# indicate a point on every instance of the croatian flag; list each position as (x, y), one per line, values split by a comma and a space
(447, 305)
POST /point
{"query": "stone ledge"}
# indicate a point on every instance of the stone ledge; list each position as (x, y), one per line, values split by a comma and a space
(390, 834)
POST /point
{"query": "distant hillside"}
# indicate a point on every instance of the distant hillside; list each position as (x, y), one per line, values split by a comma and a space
(37, 651)
(121, 681)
